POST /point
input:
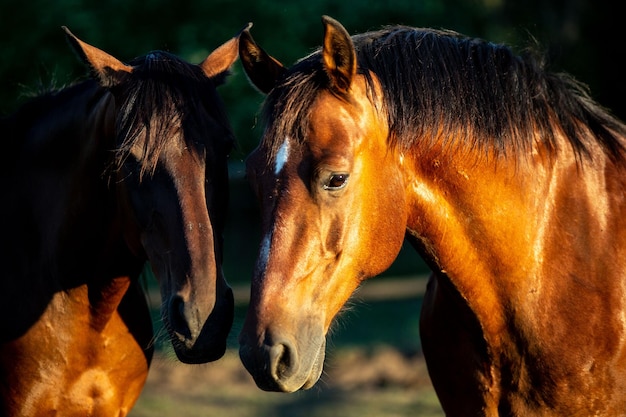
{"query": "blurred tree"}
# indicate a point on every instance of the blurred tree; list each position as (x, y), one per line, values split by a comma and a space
(581, 37)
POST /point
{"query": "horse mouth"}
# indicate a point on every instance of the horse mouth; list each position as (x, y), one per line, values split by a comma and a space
(209, 342)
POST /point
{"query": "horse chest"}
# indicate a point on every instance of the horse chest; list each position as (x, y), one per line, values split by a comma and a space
(548, 360)
(74, 369)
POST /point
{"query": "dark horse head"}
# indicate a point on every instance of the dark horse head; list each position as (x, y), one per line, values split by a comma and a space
(100, 178)
(169, 172)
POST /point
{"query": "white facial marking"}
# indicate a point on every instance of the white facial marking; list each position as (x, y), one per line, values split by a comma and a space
(282, 156)
(265, 252)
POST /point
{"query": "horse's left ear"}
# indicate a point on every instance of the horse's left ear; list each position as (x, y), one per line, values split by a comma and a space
(106, 67)
(262, 69)
(338, 55)
(217, 64)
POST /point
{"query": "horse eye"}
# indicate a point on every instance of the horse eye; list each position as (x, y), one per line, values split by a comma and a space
(336, 182)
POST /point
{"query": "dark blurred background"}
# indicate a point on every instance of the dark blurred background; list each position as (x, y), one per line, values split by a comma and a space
(581, 37)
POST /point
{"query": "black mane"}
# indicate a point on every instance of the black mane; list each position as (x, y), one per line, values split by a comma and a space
(40, 126)
(163, 93)
(178, 92)
(440, 84)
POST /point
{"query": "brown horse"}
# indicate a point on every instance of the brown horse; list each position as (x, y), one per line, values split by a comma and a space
(509, 180)
(99, 178)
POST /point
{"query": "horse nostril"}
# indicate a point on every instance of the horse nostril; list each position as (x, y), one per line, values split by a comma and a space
(281, 360)
(177, 319)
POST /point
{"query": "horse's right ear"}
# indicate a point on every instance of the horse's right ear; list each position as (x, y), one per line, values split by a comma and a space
(107, 68)
(262, 70)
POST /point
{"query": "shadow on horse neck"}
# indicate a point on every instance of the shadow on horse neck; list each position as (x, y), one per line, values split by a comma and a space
(508, 179)
(99, 178)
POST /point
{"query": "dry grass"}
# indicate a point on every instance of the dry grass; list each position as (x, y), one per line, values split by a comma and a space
(364, 375)
(383, 383)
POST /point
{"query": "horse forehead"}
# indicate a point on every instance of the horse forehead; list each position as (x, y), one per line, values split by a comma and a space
(332, 123)
(333, 117)
(335, 125)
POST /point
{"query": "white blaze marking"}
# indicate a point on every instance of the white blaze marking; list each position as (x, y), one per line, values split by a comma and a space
(265, 252)
(282, 156)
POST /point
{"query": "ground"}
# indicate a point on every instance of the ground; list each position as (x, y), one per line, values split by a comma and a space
(380, 383)
(374, 367)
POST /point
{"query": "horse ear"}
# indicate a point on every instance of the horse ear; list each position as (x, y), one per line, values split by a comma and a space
(262, 70)
(106, 67)
(221, 59)
(338, 55)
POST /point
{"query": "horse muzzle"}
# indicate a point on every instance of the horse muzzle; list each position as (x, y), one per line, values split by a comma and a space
(280, 364)
(196, 337)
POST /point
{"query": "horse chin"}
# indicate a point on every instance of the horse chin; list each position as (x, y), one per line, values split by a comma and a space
(316, 370)
(194, 357)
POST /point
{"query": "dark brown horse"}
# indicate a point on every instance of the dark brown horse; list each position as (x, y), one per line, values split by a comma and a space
(509, 180)
(97, 179)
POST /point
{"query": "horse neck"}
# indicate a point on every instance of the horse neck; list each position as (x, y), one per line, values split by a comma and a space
(496, 228)
(60, 194)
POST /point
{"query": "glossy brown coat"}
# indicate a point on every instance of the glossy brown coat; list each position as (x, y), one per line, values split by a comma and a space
(526, 237)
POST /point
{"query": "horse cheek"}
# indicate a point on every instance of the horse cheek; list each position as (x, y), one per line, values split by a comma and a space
(388, 220)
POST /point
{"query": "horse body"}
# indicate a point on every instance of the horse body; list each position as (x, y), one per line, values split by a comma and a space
(99, 370)
(516, 201)
(62, 350)
(102, 176)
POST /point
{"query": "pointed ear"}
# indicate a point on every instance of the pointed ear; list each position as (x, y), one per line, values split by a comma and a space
(338, 55)
(106, 68)
(217, 64)
(262, 70)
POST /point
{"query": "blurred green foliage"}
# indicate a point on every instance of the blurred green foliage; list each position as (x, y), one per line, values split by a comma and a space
(583, 38)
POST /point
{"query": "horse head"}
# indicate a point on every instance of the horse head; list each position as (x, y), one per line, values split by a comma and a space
(169, 172)
(323, 191)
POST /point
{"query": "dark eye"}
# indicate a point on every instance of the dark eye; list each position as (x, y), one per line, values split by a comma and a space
(336, 182)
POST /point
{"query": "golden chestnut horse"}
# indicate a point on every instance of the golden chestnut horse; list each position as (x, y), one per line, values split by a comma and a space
(99, 178)
(509, 180)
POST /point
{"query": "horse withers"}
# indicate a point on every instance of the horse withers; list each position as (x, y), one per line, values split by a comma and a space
(98, 178)
(507, 178)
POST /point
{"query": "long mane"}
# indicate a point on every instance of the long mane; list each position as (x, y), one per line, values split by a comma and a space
(41, 127)
(161, 95)
(440, 84)
(164, 85)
